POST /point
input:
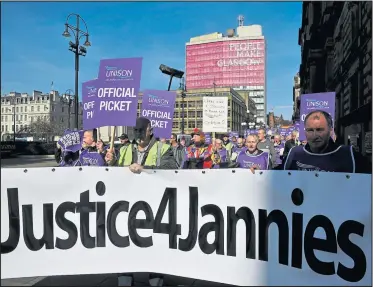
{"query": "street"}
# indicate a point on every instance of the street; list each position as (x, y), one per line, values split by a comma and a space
(29, 161)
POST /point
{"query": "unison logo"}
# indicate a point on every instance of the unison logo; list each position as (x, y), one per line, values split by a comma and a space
(91, 91)
(115, 73)
(316, 103)
(302, 234)
(156, 101)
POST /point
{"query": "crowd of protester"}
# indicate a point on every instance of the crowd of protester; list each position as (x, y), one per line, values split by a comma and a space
(261, 151)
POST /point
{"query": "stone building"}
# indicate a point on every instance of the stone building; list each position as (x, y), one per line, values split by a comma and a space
(336, 46)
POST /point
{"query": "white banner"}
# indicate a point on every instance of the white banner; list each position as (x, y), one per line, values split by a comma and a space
(215, 114)
(184, 223)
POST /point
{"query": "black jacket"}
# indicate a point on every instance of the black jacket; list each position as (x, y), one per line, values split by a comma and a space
(288, 145)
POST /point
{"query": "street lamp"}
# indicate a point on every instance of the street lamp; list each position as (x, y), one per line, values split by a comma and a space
(67, 99)
(78, 51)
(181, 91)
(171, 72)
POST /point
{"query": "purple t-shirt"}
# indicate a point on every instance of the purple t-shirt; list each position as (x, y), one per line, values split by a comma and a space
(88, 158)
(238, 150)
(277, 150)
(339, 160)
(246, 160)
(223, 153)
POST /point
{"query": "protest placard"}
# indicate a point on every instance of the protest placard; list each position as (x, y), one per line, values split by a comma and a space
(311, 102)
(111, 100)
(307, 230)
(71, 140)
(158, 106)
(215, 114)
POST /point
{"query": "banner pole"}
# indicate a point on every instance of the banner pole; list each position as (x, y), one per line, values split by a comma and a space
(112, 137)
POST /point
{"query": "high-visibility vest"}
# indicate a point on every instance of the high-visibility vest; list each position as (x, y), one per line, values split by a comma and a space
(151, 159)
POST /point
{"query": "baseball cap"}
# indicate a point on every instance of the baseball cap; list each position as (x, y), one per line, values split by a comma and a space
(123, 137)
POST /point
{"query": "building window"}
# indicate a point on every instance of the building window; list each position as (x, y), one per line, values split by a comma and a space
(6, 128)
(17, 110)
(199, 114)
(175, 125)
(17, 117)
(2, 128)
(12, 118)
(191, 125)
(21, 110)
(25, 117)
(191, 104)
(45, 118)
(13, 110)
(46, 108)
(6, 118)
(61, 119)
(199, 124)
(25, 109)
(2, 110)
(21, 117)
(199, 104)
(177, 105)
(21, 127)
(32, 108)
(31, 119)
(2, 118)
(38, 108)
(176, 115)
(192, 114)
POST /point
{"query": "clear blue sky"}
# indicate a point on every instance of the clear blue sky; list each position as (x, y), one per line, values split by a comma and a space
(34, 53)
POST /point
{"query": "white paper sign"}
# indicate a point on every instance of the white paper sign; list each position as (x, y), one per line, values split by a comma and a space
(184, 224)
(215, 114)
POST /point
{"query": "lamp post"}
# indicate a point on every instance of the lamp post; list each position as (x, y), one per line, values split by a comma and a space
(172, 73)
(78, 51)
(67, 99)
(183, 95)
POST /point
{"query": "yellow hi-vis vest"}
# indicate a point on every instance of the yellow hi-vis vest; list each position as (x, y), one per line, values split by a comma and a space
(122, 153)
(125, 158)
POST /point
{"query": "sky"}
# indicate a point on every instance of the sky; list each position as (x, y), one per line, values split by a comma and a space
(34, 54)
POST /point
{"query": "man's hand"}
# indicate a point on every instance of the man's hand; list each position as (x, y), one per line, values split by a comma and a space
(136, 168)
(109, 155)
(253, 168)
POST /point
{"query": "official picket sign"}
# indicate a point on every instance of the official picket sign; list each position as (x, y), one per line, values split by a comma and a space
(187, 223)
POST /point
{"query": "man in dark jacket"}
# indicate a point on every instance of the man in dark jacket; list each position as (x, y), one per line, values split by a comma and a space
(321, 153)
(289, 144)
(267, 146)
(178, 151)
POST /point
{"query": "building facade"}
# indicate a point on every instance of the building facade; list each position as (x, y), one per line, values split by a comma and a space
(296, 98)
(236, 60)
(20, 110)
(336, 44)
(193, 109)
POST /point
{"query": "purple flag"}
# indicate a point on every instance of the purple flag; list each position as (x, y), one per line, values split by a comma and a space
(158, 106)
(71, 140)
(233, 134)
(111, 100)
(311, 102)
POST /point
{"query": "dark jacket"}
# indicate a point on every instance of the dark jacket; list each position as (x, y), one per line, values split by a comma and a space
(288, 145)
(179, 154)
(362, 164)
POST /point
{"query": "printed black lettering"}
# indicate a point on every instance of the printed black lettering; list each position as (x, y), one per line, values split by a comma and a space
(134, 224)
(171, 228)
(188, 243)
(115, 238)
(247, 215)
(100, 224)
(278, 217)
(217, 227)
(297, 242)
(328, 245)
(14, 222)
(28, 228)
(66, 225)
(356, 273)
(84, 207)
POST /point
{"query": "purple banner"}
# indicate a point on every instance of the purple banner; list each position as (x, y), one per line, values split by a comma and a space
(71, 140)
(233, 134)
(112, 100)
(311, 102)
(158, 106)
(208, 138)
